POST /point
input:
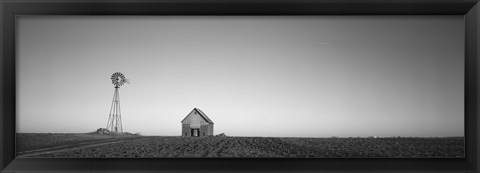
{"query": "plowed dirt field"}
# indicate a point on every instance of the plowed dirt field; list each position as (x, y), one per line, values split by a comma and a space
(95, 146)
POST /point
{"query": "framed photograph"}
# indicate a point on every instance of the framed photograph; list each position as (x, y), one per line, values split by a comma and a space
(251, 86)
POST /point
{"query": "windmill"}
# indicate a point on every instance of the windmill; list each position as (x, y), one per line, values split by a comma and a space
(114, 124)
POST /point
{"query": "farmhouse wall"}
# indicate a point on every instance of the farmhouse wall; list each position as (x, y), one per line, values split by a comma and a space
(186, 130)
(210, 129)
(204, 130)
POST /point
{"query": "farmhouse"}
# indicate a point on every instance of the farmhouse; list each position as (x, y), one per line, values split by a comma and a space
(196, 123)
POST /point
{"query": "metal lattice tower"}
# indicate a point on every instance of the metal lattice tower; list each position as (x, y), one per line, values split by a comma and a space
(114, 124)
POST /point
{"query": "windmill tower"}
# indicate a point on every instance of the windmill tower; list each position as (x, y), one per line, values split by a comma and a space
(114, 124)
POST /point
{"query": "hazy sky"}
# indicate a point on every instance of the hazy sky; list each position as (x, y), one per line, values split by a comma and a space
(309, 76)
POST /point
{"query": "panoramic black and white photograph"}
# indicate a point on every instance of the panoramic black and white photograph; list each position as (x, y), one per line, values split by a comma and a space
(240, 86)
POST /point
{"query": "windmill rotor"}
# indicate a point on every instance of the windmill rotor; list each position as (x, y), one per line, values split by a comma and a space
(118, 79)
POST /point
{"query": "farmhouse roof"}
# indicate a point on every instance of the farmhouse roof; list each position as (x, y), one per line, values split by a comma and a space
(203, 115)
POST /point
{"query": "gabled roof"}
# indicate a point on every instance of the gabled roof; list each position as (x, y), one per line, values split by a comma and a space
(200, 112)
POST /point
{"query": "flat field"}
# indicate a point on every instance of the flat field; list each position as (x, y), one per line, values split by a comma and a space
(95, 146)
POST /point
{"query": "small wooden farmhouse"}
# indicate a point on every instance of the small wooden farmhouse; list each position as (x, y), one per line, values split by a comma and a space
(196, 123)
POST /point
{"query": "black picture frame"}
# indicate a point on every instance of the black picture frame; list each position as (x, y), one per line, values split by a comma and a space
(11, 8)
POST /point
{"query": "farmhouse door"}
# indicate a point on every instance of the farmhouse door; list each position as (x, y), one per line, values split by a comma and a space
(195, 132)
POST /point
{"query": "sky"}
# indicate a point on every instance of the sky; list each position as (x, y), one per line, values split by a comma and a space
(275, 76)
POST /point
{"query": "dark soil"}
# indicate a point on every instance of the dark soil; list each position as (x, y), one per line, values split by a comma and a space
(250, 147)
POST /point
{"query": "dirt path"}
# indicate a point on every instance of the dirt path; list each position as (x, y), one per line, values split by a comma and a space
(31, 153)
